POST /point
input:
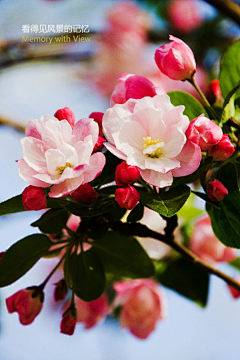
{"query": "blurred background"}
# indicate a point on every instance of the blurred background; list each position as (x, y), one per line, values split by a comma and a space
(38, 78)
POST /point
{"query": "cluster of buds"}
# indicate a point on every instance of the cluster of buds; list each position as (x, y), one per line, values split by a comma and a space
(127, 196)
(141, 301)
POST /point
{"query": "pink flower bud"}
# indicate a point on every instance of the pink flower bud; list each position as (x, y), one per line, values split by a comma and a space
(214, 93)
(234, 292)
(90, 313)
(27, 303)
(206, 246)
(142, 305)
(1, 254)
(99, 144)
(34, 198)
(68, 323)
(132, 86)
(204, 132)
(185, 15)
(84, 193)
(216, 191)
(222, 150)
(176, 60)
(60, 290)
(97, 117)
(126, 174)
(65, 114)
(127, 197)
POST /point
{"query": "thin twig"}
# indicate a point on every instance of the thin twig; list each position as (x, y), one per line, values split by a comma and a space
(12, 124)
(227, 7)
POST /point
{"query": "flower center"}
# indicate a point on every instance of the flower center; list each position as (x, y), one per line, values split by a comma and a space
(152, 148)
(60, 169)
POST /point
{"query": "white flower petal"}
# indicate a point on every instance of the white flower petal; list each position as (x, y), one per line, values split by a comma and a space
(157, 178)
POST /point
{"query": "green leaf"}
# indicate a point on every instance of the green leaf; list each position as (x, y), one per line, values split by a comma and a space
(235, 263)
(12, 205)
(167, 203)
(186, 279)
(123, 256)
(193, 108)
(229, 106)
(136, 214)
(87, 275)
(226, 220)
(230, 69)
(52, 221)
(93, 209)
(21, 257)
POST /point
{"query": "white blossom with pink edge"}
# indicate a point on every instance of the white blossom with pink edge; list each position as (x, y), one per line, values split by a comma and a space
(55, 154)
(150, 133)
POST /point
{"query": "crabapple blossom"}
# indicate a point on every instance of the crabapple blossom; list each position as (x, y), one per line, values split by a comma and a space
(222, 150)
(68, 323)
(204, 132)
(27, 303)
(90, 313)
(84, 193)
(150, 133)
(34, 198)
(176, 59)
(132, 86)
(216, 191)
(65, 114)
(60, 290)
(127, 197)
(55, 154)
(206, 246)
(185, 15)
(126, 174)
(142, 304)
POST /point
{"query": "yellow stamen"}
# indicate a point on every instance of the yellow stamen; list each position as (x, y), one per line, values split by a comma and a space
(155, 154)
(60, 169)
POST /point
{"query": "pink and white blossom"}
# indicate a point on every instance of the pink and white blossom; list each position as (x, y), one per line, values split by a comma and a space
(143, 304)
(55, 154)
(150, 133)
(206, 245)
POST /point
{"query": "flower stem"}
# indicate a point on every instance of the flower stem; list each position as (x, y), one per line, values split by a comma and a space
(203, 97)
(42, 286)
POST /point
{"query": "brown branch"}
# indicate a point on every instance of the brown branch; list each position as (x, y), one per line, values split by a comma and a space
(227, 7)
(12, 124)
(137, 229)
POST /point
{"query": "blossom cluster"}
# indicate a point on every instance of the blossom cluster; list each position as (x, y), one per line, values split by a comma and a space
(93, 172)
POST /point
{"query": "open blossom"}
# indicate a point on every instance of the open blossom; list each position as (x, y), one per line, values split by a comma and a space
(176, 59)
(27, 303)
(142, 304)
(205, 244)
(55, 154)
(150, 133)
(132, 86)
